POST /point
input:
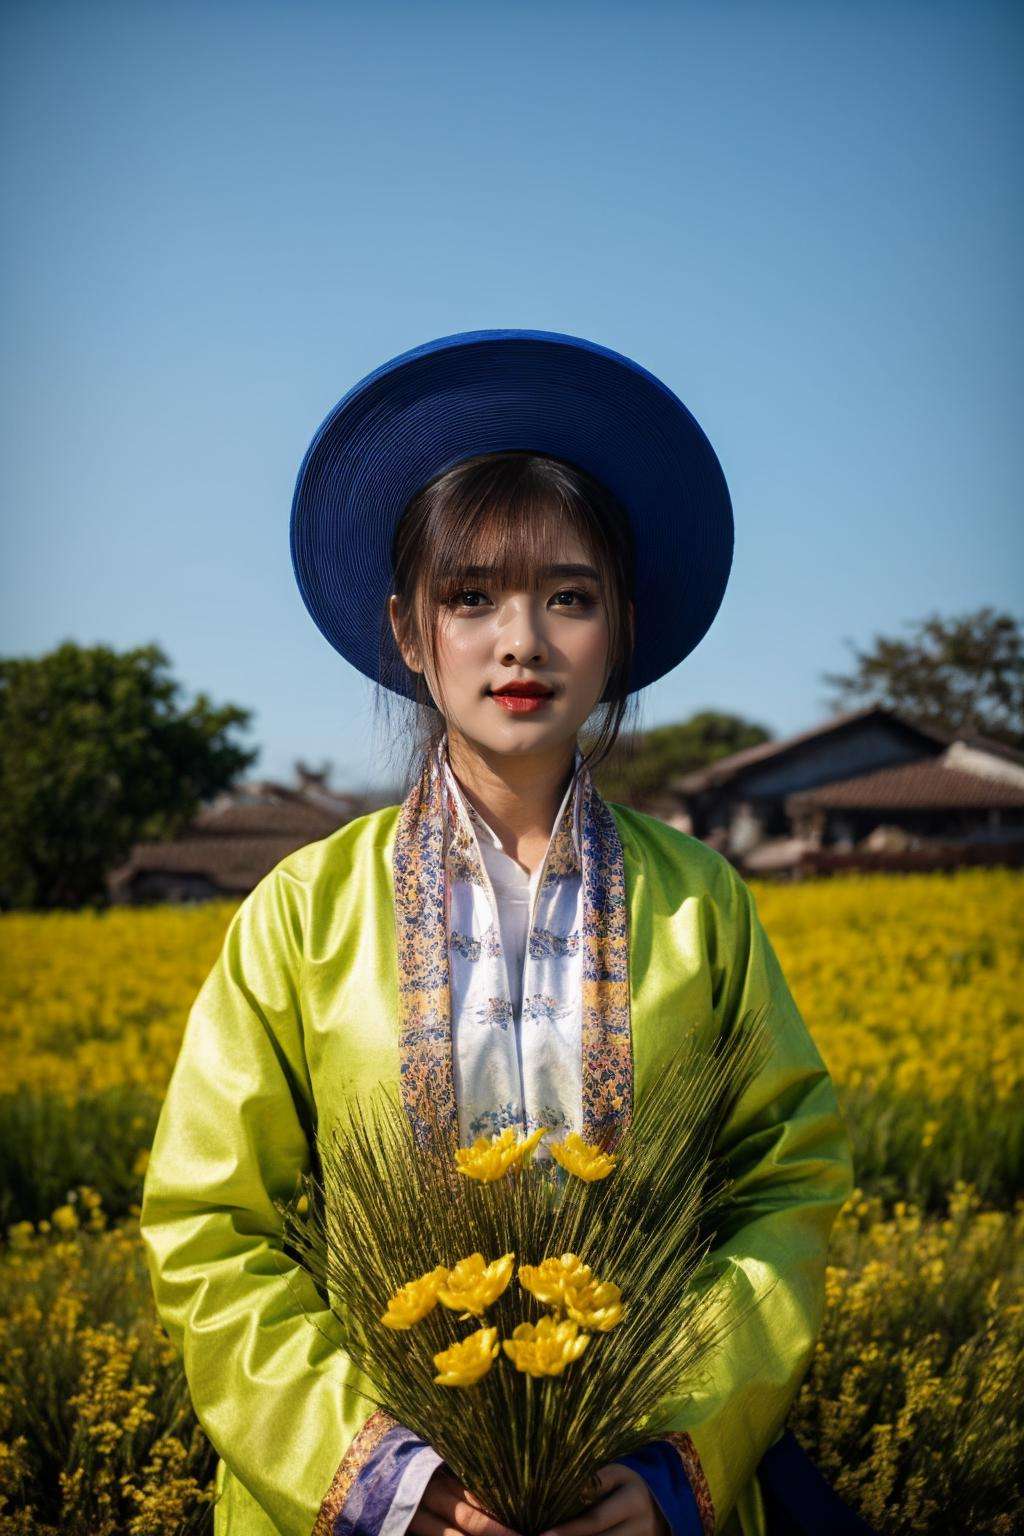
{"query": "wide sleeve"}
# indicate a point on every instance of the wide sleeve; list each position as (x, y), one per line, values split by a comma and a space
(276, 1394)
(789, 1152)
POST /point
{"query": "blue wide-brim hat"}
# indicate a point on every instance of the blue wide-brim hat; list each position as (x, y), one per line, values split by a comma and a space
(481, 391)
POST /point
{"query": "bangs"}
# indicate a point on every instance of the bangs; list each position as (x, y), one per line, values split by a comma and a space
(508, 543)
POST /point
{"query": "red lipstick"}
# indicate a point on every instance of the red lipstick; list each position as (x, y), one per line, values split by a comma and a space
(521, 698)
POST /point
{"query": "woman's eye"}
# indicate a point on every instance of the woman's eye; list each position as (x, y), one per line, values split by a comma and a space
(462, 597)
(457, 598)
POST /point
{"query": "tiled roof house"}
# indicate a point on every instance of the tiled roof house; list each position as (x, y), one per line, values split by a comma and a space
(860, 783)
(233, 842)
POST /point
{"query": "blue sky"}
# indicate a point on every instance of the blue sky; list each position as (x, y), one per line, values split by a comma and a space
(805, 218)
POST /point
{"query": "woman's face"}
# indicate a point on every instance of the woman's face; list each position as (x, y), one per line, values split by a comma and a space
(556, 635)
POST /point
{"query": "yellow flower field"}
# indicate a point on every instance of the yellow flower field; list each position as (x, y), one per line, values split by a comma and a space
(911, 980)
(97, 1000)
(911, 986)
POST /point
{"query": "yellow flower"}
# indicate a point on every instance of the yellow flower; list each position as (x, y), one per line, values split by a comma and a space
(550, 1279)
(64, 1218)
(569, 1285)
(472, 1284)
(545, 1348)
(582, 1158)
(595, 1304)
(465, 1362)
(489, 1158)
(414, 1300)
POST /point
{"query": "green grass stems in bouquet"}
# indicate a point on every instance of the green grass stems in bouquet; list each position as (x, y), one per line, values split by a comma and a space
(529, 1315)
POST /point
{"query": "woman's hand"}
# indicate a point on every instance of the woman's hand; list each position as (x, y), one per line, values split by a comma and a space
(625, 1503)
(448, 1509)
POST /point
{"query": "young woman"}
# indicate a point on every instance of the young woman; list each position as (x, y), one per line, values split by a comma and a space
(515, 530)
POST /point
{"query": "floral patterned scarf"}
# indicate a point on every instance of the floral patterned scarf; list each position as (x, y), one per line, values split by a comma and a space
(569, 1062)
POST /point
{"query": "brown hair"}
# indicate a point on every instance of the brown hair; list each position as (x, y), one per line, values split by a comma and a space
(509, 508)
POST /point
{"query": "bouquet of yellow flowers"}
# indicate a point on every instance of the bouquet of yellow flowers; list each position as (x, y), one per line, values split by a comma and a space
(529, 1315)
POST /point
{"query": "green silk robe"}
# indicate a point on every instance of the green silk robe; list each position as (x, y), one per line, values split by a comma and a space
(299, 1013)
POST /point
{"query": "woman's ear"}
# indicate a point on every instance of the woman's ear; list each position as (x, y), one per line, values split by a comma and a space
(409, 653)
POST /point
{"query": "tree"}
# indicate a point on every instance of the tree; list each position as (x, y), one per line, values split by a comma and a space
(641, 768)
(964, 675)
(95, 754)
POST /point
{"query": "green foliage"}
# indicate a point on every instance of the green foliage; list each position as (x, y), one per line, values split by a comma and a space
(909, 1146)
(905, 1145)
(48, 1143)
(95, 755)
(642, 767)
(963, 674)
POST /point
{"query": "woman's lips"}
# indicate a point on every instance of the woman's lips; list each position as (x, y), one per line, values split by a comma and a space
(521, 703)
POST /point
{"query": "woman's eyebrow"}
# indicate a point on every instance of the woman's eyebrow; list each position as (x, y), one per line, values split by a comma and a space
(548, 570)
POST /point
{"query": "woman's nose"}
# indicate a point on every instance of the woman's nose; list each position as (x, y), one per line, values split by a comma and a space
(521, 638)
(525, 655)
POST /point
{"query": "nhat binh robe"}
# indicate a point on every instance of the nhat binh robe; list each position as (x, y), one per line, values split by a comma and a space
(335, 976)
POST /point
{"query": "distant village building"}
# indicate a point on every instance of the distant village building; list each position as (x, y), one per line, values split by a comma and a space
(869, 789)
(234, 841)
(873, 788)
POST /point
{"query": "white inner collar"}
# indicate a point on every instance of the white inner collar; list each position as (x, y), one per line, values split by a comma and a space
(492, 837)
